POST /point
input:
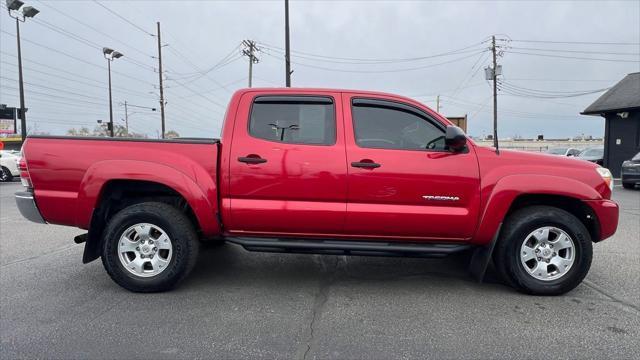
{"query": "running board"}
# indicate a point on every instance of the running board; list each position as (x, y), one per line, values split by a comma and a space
(348, 247)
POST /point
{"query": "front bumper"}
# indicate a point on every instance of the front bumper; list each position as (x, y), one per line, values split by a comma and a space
(630, 177)
(607, 212)
(27, 206)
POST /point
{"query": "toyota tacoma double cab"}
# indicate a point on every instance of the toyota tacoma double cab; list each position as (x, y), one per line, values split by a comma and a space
(321, 171)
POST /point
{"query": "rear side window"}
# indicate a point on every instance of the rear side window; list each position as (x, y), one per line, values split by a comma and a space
(294, 119)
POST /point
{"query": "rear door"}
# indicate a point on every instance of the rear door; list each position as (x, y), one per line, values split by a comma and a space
(403, 183)
(287, 169)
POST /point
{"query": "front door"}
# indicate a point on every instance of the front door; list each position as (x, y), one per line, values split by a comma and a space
(403, 183)
(288, 171)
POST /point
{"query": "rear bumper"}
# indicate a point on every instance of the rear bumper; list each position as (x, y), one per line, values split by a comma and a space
(607, 213)
(27, 206)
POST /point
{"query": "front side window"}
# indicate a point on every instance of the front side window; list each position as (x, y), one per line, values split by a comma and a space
(387, 127)
(294, 119)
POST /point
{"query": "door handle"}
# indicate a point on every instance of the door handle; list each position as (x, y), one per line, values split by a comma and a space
(252, 159)
(365, 163)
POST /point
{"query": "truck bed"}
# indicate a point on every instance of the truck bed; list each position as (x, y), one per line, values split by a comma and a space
(69, 173)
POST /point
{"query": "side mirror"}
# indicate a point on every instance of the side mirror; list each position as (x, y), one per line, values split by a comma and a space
(455, 139)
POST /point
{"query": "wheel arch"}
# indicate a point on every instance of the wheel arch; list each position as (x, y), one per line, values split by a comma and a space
(517, 191)
(109, 186)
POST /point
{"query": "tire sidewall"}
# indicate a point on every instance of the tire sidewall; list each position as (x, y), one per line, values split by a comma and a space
(180, 246)
(567, 223)
(5, 175)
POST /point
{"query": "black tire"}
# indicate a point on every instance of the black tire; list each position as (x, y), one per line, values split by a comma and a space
(179, 229)
(5, 175)
(628, 185)
(514, 232)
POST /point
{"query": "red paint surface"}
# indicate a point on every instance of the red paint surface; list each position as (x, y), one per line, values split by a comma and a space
(310, 190)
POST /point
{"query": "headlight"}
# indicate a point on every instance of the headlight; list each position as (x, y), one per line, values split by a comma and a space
(606, 176)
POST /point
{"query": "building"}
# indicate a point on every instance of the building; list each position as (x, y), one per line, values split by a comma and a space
(620, 107)
(459, 121)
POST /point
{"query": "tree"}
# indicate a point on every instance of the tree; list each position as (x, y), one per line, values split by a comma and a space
(83, 131)
(171, 134)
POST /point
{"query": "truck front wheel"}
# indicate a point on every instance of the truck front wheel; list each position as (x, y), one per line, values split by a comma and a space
(149, 247)
(543, 250)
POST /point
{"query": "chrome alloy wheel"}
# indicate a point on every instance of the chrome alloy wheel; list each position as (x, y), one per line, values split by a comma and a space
(547, 253)
(145, 250)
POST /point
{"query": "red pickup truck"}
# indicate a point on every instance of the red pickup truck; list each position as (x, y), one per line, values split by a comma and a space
(325, 172)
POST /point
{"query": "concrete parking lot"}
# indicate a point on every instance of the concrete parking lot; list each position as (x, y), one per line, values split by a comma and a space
(238, 304)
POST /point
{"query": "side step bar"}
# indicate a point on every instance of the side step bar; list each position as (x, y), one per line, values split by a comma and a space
(347, 247)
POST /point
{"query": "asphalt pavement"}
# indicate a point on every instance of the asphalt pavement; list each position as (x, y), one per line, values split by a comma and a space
(238, 304)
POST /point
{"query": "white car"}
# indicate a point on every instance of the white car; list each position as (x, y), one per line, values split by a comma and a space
(563, 151)
(8, 165)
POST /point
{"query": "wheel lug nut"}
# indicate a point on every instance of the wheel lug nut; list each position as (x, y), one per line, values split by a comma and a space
(138, 248)
(156, 249)
(151, 242)
(537, 250)
(554, 254)
(539, 259)
(551, 246)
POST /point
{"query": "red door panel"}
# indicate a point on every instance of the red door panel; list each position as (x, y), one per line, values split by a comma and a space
(278, 187)
(418, 194)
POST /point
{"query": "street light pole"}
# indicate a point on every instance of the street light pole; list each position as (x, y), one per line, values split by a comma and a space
(27, 11)
(110, 55)
(22, 111)
(110, 101)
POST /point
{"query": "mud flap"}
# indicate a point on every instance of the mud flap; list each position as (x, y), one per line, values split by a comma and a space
(482, 256)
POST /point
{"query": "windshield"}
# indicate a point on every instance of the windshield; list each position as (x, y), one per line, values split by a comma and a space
(557, 151)
(637, 157)
(593, 152)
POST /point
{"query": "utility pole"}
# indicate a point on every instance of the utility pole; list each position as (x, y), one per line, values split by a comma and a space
(160, 77)
(126, 112)
(495, 94)
(126, 118)
(287, 55)
(438, 104)
(249, 52)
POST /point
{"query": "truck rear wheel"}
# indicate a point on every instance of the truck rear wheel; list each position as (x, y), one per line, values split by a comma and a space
(543, 250)
(149, 247)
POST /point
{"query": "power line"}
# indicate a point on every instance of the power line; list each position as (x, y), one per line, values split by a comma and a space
(54, 88)
(57, 96)
(373, 60)
(545, 94)
(74, 57)
(98, 83)
(89, 43)
(573, 57)
(552, 91)
(562, 80)
(574, 42)
(471, 74)
(134, 48)
(123, 18)
(577, 51)
(380, 71)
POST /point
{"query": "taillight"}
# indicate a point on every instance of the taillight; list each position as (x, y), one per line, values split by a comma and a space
(24, 173)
